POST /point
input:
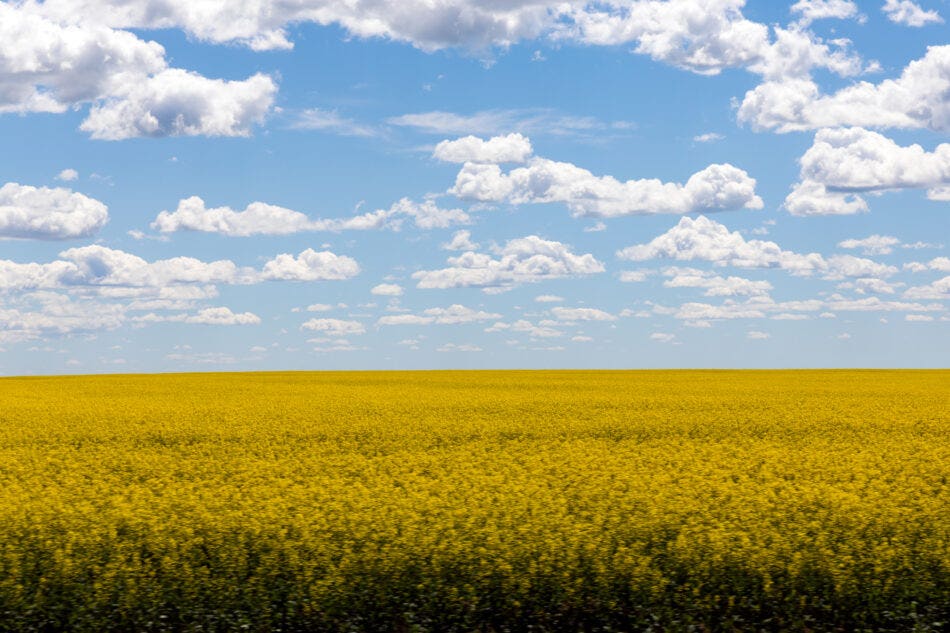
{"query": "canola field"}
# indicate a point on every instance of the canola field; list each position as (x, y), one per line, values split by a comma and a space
(476, 501)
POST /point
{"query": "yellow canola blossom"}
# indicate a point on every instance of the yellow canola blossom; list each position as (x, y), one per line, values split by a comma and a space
(476, 501)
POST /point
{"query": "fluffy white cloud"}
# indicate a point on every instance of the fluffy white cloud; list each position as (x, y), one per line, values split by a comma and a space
(916, 99)
(846, 161)
(526, 327)
(873, 244)
(176, 102)
(461, 241)
(581, 314)
(453, 347)
(48, 214)
(512, 148)
(707, 37)
(49, 313)
(258, 218)
(387, 290)
(716, 187)
(453, 315)
(715, 285)
(523, 260)
(708, 137)
(334, 327)
(67, 175)
(909, 13)
(548, 299)
(209, 316)
(311, 265)
(811, 10)
(49, 65)
(704, 239)
(700, 36)
(939, 289)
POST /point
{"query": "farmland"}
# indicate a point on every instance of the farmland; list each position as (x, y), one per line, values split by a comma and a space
(476, 501)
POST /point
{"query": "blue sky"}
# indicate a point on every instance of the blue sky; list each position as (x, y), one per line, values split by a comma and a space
(402, 185)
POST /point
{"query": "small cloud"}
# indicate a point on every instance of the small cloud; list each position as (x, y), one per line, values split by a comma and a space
(538, 56)
(68, 175)
(662, 337)
(708, 137)
(387, 290)
(548, 299)
(758, 336)
(595, 228)
(843, 336)
(452, 347)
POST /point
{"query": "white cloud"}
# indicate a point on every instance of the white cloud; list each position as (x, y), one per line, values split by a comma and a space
(548, 299)
(811, 10)
(452, 347)
(635, 276)
(715, 285)
(581, 314)
(844, 162)
(909, 13)
(918, 318)
(330, 121)
(334, 327)
(388, 290)
(708, 137)
(524, 326)
(208, 316)
(916, 99)
(48, 214)
(311, 265)
(707, 240)
(755, 335)
(260, 218)
(453, 315)
(500, 122)
(68, 175)
(461, 241)
(662, 337)
(939, 289)
(523, 260)
(708, 37)
(50, 65)
(176, 102)
(512, 148)
(717, 187)
(873, 244)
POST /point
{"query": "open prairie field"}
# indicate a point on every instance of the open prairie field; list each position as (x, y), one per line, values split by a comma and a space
(476, 501)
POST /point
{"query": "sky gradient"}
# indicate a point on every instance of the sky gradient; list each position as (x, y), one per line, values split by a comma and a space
(410, 185)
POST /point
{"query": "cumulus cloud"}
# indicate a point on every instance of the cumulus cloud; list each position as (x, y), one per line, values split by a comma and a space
(208, 316)
(706, 240)
(260, 218)
(177, 102)
(334, 327)
(387, 290)
(909, 13)
(48, 214)
(916, 99)
(811, 10)
(311, 265)
(67, 175)
(523, 260)
(512, 148)
(461, 241)
(844, 162)
(50, 65)
(453, 315)
(715, 285)
(548, 299)
(453, 347)
(717, 187)
(581, 314)
(872, 245)
(526, 327)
